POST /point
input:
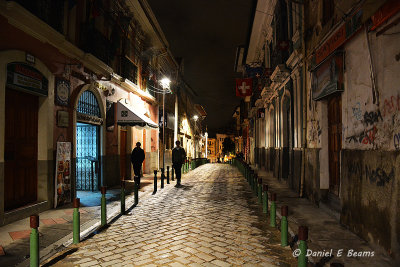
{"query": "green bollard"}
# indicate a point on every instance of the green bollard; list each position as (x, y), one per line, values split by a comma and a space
(136, 193)
(155, 182)
(260, 190)
(122, 197)
(265, 198)
(284, 226)
(103, 206)
(76, 230)
(273, 211)
(34, 241)
(303, 236)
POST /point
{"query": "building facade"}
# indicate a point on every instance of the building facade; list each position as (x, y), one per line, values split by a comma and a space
(329, 98)
(78, 89)
(211, 146)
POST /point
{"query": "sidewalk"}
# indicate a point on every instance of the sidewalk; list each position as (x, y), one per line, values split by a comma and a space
(325, 232)
(55, 228)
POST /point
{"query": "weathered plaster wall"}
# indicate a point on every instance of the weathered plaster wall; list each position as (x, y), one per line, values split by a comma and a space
(312, 175)
(371, 196)
(372, 120)
(314, 130)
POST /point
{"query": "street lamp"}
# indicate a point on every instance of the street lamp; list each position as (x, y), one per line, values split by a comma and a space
(206, 144)
(195, 118)
(165, 85)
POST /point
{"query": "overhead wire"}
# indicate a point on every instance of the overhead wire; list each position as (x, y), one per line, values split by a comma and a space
(159, 90)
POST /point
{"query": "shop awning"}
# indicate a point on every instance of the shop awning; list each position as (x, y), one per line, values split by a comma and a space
(127, 116)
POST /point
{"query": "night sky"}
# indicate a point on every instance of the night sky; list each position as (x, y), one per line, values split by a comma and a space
(206, 34)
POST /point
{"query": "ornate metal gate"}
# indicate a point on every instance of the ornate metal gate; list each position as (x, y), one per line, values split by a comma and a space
(87, 143)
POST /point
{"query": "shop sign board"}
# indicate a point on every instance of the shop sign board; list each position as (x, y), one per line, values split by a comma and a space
(21, 76)
(328, 77)
(352, 25)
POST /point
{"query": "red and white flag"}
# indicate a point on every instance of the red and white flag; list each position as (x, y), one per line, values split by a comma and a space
(244, 87)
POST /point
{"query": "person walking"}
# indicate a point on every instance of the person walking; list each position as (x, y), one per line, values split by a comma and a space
(137, 158)
(178, 158)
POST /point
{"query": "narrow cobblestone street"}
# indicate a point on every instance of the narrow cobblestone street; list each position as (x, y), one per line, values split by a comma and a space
(212, 220)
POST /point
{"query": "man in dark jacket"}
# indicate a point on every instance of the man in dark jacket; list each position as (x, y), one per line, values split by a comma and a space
(178, 158)
(137, 158)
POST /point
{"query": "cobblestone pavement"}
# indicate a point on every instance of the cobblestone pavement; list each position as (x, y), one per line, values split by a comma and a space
(212, 220)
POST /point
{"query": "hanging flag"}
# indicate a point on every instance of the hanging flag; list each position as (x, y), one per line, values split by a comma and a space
(283, 45)
(244, 87)
(254, 71)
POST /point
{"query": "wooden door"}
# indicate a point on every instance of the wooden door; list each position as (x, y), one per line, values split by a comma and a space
(20, 150)
(335, 141)
(123, 155)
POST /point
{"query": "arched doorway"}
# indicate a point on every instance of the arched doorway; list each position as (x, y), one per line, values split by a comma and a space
(88, 120)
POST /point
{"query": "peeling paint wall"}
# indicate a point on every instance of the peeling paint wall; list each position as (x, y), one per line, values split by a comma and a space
(370, 178)
(371, 196)
(372, 122)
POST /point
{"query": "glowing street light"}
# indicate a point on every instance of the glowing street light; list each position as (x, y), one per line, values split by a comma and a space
(195, 118)
(165, 85)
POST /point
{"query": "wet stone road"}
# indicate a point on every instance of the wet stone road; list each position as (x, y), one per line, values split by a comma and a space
(212, 220)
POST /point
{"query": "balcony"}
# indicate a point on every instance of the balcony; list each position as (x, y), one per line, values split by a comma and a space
(49, 11)
(95, 43)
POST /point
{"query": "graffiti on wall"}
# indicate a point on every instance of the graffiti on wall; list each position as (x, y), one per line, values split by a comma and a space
(357, 113)
(377, 176)
(391, 105)
(365, 137)
(372, 117)
(314, 131)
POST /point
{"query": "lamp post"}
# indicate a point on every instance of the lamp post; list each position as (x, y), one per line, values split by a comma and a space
(206, 144)
(195, 117)
(165, 85)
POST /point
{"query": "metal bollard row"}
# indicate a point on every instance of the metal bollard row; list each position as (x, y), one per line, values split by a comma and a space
(167, 174)
(261, 191)
(155, 182)
(34, 240)
(303, 236)
(122, 197)
(103, 206)
(162, 177)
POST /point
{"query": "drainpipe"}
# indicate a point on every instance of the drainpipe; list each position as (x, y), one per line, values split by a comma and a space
(304, 91)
